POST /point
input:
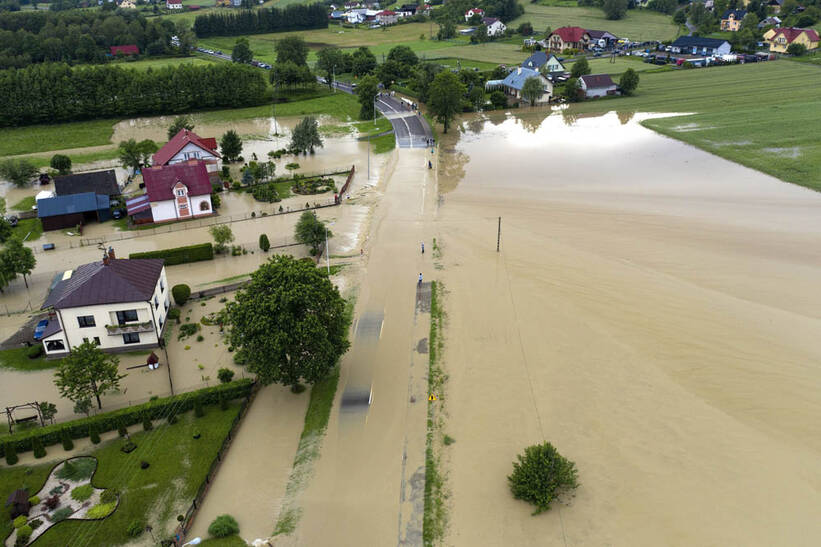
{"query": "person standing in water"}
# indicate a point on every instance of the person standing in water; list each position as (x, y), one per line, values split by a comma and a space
(420, 279)
(423, 247)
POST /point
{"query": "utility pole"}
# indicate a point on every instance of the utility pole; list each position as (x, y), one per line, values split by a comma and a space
(498, 234)
(327, 252)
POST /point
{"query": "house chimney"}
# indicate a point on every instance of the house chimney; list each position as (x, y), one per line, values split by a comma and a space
(106, 260)
(111, 253)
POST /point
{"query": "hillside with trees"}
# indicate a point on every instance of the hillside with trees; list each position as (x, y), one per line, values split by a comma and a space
(236, 22)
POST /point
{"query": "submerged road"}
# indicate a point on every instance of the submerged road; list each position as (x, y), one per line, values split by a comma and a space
(411, 129)
(368, 486)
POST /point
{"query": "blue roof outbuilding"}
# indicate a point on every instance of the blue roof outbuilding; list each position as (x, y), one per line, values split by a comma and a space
(535, 61)
(516, 79)
(73, 203)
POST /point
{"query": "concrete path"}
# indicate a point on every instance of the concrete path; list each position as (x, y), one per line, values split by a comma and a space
(368, 486)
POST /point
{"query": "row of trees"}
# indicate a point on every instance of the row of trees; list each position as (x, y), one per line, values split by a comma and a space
(57, 92)
(236, 22)
(83, 36)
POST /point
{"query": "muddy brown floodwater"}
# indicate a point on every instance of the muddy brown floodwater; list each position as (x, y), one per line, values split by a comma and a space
(654, 312)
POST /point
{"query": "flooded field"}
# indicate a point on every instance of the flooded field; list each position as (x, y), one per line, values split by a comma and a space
(654, 312)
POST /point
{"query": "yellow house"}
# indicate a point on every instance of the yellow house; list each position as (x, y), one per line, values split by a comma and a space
(781, 38)
(731, 20)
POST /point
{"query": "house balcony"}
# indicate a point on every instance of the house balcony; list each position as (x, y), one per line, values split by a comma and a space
(114, 330)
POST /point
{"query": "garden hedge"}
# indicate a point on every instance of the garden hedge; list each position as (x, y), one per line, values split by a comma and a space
(180, 255)
(110, 421)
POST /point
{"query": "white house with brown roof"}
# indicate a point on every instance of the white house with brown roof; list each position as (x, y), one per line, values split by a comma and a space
(173, 192)
(187, 145)
(597, 85)
(118, 304)
(173, 4)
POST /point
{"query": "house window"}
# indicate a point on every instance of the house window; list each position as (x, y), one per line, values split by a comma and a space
(126, 316)
(85, 340)
(131, 338)
(181, 193)
(183, 206)
(166, 305)
(86, 321)
(156, 302)
(162, 286)
(161, 322)
(96, 340)
(55, 345)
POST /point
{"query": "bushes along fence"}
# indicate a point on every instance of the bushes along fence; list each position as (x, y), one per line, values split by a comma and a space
(111, 421)
(180, 255)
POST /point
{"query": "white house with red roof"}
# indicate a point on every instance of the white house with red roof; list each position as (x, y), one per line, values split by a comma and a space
(187, 145)
(568, 38)
(173, 4)
(387, 17)
(173, 192)
(474, 11)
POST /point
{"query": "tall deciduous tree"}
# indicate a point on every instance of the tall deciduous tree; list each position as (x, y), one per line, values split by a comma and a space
(293, 49)
(180, 122)
(87, 372)
(305, 137)
(135, 155)
(366, 91)
(289, 323)
(362, 62)
(222, 235)
(311, 231)
(614, 9)
(20, 257)
(61, 163)
(445, 97)
(532, 90)
(580, 68)
(231, 145)
(242, 51)
(629, 81)
(19, 172)
(330, 60)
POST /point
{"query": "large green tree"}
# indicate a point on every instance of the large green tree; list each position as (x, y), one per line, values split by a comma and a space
(330, 60)
(87, 372)
(289, 323)
(362, 62)
(629, 81)
(293, 49)
(580, 68)
(403, 55)
(231, 145)
(242, 51)
(311, 231)
(180, 122)
(61, 163)
(445, 97)
(135, 155)
(19, 172)
(20, 258)
(366, 91)
(305, 137)
(614, 9)
(532, 90)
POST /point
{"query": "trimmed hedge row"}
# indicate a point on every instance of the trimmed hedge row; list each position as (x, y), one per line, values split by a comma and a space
(111, 421)
(180, 255)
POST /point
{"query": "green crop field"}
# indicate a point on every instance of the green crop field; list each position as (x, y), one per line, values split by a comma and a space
(602, 65)
(489, 52)
(145, 64)
(42, 138)
(637, 25)
(762, 115)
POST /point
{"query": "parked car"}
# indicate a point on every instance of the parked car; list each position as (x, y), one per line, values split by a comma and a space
(12, 220)
(40, 329)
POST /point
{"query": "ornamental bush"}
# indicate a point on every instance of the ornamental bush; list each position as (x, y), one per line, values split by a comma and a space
(180, 255)
(20, 521)
(181, 293)
(62, 514)
(82, 493)
(23, 534)
(540, 475)
(225, 375)
(37, 447)
(11, 454)
(35, 351)
(93, 434)
(223, 526)
(65, 438)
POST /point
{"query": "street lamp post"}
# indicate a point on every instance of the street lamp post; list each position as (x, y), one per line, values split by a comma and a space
(327, 253)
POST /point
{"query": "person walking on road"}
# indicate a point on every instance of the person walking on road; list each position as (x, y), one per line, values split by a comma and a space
(420, 279)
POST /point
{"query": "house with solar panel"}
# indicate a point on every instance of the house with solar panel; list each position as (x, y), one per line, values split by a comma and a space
(118, 304)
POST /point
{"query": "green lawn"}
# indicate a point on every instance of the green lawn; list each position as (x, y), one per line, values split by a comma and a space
(637, 25)
(494, 53)
(31, 227)
(230, 541)
(178, 465)
(144, 64)
(383, 144)
(762, 115)
(18, 359)
(24, 204)
(602, 65)
(42, 138)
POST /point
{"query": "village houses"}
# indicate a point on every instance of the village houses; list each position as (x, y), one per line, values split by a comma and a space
(173, 192)
(514, 82)
(568, 38)
(779, 39)
(731, 19)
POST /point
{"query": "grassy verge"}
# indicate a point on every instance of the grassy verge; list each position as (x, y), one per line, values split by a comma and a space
(31, 227)
(435, 516)
(43, 138)
(310, 442)
(383, 144)
(24, 204)
(230, 541)
(18, 359)
(178, 465)
(739, 112)
(370, 127)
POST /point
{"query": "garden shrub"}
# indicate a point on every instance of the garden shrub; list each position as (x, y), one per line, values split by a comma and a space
(82, 493)
(200, 338)
(122, 429)
(187, 329)
(109, 495)
(19, 521)
(264, 244)
(111, 421)
(180, 255)
(37, 447)
(225, 375)
(11, 453)
(174, 313)
(35, 351)
(77, 469)
(62, 514)
(101, 510)
(224, 526)
(147, 424)
(53, 502)
(93, 434)
(35, 524)
(181, 293)
(34, 500)
(199, 412)
(65, 438)
(540, 475)
(24, 533)
(135, 528)
(266, 193)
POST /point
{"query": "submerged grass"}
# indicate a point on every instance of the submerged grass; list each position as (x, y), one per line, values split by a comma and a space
(435, 515)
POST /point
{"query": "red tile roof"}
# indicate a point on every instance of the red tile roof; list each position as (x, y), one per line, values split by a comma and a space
(178, 142)
(474, 10)
(791, 33)
(570, 34)
(387, 12)
(129, 49)
(160, 181)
